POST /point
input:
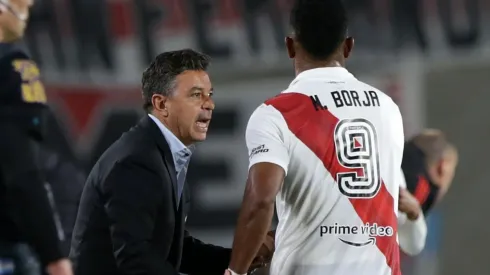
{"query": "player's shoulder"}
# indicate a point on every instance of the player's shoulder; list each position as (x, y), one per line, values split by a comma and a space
(285, 102)
(266, 114)
(271, 114)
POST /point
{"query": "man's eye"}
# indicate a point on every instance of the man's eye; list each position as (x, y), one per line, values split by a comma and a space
(196, 95)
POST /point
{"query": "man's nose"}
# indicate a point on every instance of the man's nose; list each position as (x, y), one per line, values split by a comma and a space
(208, 104)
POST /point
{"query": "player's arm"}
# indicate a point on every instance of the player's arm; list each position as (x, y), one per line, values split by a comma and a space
(269, 159)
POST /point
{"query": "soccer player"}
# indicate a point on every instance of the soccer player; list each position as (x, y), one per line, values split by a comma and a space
(328, 151)
(429, 163)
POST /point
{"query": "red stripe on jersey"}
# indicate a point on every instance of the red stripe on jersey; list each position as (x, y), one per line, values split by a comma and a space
(422, 190)
(316, 130)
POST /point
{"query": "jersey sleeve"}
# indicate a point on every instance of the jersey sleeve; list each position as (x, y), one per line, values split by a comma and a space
(267, 139)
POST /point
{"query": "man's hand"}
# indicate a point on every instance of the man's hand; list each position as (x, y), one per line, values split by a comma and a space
(60, 267)
(409, 205)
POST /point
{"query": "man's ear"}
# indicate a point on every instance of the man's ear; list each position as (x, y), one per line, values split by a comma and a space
(160, 103)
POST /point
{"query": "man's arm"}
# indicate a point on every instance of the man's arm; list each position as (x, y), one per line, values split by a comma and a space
(134, 194)
(269, 159)
(202, 258)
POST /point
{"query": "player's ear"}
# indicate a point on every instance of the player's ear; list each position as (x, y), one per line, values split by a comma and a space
(289, 41)
(348, 46)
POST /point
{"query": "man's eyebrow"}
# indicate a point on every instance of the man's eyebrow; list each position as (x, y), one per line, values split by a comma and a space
(197, 88)
(200, 89)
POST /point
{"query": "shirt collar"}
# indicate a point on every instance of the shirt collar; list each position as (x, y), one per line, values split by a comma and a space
(326, 73)
(177, 148)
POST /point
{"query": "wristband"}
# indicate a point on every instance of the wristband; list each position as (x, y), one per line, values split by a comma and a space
(234, 273)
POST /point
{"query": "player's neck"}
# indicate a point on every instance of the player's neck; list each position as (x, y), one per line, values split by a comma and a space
(302, 65)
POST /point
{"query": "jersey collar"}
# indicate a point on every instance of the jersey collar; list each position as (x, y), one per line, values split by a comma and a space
(327, 73)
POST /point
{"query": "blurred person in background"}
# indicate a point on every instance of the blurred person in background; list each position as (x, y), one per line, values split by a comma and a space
(66, 180)
(27, 214)
(329, 150)
(429, 164)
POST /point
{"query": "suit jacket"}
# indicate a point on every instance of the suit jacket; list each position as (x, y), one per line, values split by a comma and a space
(129, 223)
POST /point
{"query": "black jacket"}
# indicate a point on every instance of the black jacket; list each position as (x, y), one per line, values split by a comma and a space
(26, 214)
(129, 223)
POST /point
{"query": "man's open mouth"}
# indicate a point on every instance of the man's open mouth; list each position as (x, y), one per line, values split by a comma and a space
(203, 124)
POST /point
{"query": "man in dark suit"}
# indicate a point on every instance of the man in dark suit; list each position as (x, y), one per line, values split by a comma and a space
(132, 215)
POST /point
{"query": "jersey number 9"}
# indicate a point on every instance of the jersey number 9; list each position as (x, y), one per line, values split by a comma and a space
(356, 145)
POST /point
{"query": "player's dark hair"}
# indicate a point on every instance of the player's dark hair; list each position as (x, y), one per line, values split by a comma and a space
(433, 143)
(159, 77)
(320, 26)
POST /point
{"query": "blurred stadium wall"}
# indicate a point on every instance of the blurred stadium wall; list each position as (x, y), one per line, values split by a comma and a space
(92, 54)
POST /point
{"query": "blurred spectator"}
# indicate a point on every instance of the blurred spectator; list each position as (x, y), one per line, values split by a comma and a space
(27, 215)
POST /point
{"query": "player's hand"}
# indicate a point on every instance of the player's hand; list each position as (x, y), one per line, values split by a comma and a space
(264, 255)
(60, 267)
(266, 251)
(409, 205)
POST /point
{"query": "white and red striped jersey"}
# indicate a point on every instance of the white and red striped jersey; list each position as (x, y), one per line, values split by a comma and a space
(340, 142)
